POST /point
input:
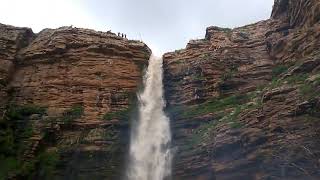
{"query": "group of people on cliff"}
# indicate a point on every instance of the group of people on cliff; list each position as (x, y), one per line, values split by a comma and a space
(122, 35)
(119, 34)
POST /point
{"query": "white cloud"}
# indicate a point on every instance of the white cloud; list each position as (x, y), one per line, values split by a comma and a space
(165, 24)
(40, 14)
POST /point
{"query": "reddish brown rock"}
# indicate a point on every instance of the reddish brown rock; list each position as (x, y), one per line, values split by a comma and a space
(64, 68)
(272, 132)
(68, 66)
(12, 39)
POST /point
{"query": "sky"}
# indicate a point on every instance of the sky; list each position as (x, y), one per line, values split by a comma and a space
(164, 25)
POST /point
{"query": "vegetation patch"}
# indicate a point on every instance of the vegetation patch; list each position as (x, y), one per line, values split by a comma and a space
(278, 70)
(238, 104)
(178, 50)
(141, 66)
(202, 133)
(120, 115)
(225, 29)
(310, 88)
(198, 77)
(309, 91)
(15, 132)
(206, 56)
(72, 114)
(230, 73)
(7, 141)
(7, 165)
(297, 79)
(46, 163)
(232, 118)
(3, 82)
(292, 80)
(12, 136)
(16, 112)
(214, 105)
(12, 140)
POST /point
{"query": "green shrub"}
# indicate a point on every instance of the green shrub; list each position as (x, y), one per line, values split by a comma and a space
(308, 91)
(292, 80)
(18, 112)
(276, 71)
(8, 165)
(296, 79)
(198, 77)
(7, 142)
(206, 56)
(229, 74)
(215, 105)
(275, 83)
(72, 114)
(27, 168)
(12, 166)
(141, 66)
(121, 115)
(203, 133)
(178, 50)
(47, 162)
(27, 132)
(233, 116)
(3, 82)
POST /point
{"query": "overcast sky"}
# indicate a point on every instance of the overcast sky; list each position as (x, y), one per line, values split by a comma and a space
(165, 25)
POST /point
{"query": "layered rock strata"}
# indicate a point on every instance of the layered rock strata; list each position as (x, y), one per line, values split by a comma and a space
(85, 81)
(244, 102)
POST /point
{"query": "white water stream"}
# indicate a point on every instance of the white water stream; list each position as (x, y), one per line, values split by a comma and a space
(150, 156)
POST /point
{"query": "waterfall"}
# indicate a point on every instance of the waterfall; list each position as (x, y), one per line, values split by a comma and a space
(150, 156)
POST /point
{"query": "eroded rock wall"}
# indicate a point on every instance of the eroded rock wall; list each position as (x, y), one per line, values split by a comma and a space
(68, 66)
(74, 89)
(244, 102)
(12, 39)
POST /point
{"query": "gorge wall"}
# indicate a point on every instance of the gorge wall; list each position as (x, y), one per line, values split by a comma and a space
(66, 95)
(244, 102)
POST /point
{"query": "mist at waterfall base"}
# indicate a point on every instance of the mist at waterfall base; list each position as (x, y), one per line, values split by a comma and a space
(149, 152)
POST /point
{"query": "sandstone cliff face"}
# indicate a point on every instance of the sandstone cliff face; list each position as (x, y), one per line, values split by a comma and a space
(74, 88)
(244, 102)
(70, 66)
(299, 13)
(12, 39)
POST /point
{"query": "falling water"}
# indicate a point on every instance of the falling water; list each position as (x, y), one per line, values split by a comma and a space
(150, 156)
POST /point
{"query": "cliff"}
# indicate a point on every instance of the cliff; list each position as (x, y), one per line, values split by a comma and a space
(244, 102)
(66, 95)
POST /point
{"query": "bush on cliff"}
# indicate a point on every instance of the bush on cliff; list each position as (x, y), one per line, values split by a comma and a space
(120, 115)
(16, 112)
(215, 105)
(72, 114)
(46, 163)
